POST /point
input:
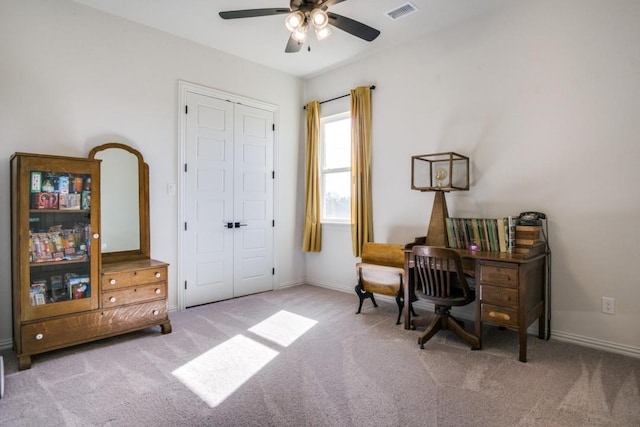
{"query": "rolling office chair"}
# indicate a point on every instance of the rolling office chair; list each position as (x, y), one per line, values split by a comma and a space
(440, 280)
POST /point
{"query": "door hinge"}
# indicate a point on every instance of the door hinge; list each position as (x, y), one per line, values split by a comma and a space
(273, 127)
(273, 222)
(273, 271)
(273, 174)
(185, 226)
(185, 167)
(185, 284)
(186, 109)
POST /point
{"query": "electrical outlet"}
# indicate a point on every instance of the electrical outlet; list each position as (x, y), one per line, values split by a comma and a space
(608, 305)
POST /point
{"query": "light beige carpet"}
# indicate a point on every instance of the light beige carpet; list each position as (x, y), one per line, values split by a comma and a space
(301, 357)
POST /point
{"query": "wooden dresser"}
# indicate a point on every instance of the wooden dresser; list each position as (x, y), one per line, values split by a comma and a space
(65, 289)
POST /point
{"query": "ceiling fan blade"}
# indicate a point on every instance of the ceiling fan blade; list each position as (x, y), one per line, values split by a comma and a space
(355, 28)
(252, 13)
(326, 3)
(292, 45)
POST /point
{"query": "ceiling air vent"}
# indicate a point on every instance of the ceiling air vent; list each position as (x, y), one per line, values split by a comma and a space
(402, 11)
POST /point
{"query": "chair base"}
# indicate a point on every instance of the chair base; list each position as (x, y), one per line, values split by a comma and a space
(442, 320)
(363, 295)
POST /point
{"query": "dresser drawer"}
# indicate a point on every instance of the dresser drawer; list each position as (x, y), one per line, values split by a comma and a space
(499, 296)
(500, 315)
(134, 294)
(123, 279)
(498, 276)
(57, 333)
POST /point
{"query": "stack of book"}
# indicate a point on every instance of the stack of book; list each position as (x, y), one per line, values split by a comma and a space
(528, 238)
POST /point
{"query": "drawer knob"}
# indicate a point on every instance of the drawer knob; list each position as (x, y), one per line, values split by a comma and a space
(156, 312)
(112, 299)
(96, 236)
(112, 281)
(501, 316)
(158, 275)
(158, 291)
(39, 336)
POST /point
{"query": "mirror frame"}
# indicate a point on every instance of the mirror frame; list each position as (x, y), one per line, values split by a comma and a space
(144, 251)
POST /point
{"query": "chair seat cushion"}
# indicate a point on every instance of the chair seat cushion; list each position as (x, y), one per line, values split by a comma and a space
(380, 279)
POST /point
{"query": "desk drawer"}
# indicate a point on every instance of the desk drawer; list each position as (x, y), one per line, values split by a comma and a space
(500, 315)
(498, 276)
(500, 296)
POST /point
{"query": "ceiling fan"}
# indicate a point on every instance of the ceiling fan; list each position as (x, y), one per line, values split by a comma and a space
(305, 14)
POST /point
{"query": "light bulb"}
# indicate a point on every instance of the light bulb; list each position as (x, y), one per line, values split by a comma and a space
(300, 34)
(323, 33)
(319, 18)
(294, 20)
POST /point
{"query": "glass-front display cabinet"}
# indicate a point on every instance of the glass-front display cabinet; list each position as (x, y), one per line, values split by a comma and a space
(55, 208)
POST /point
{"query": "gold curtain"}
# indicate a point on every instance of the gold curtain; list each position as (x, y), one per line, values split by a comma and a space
(361, 203)
(312, 239)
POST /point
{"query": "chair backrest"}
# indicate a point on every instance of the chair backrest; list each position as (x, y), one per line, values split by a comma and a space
(388, 254)
(439, 272)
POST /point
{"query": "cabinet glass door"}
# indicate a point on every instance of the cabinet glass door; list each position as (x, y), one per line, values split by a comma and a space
(62, 239)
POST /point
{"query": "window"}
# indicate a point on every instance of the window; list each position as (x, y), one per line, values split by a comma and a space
(335, 168)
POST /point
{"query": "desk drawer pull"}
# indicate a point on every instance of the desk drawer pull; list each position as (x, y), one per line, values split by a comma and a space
(498, 315)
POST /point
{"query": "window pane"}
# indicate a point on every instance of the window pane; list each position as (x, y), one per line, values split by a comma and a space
(337, 144)
(337, 196)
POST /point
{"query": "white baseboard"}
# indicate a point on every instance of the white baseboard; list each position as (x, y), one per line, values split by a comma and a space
(6, 344)
(597, 344)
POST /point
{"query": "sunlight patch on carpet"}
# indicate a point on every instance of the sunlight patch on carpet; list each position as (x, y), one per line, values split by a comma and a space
(216, 374)
(283, 328)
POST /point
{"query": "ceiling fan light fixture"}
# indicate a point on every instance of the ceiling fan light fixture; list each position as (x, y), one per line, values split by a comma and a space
(294, 20)
(323, 33)
(319, 18)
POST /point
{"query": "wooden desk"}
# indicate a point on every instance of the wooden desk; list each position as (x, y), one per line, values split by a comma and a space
(510, 291)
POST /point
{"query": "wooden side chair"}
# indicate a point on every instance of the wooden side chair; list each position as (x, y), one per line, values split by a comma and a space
(441, 280)
(381, 272)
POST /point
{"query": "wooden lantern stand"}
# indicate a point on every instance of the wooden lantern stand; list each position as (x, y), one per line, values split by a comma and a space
(437, 232)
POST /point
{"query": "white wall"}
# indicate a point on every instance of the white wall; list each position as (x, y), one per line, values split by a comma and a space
(544, 97)
(72, 78)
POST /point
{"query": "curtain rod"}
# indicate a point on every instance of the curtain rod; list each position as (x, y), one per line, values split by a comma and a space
(337, 97)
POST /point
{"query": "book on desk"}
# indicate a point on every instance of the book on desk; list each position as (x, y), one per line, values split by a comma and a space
(491, 235)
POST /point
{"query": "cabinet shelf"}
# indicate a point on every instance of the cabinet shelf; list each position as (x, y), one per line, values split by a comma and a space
(63, 262)
(70, 211)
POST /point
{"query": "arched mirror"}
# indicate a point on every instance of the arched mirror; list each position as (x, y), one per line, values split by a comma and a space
(124, 202)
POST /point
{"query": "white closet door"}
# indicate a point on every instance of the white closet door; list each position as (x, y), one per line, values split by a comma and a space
(228, 201)
(253, 200)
